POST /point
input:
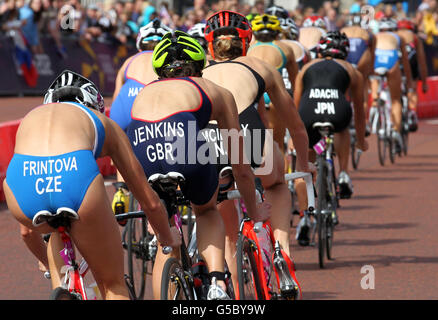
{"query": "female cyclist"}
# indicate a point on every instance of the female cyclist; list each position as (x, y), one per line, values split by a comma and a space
(165, 133)
(54, 169)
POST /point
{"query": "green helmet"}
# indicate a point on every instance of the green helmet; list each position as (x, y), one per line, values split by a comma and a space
(176, 50)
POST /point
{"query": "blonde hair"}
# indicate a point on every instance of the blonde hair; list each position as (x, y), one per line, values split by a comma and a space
(228, 48)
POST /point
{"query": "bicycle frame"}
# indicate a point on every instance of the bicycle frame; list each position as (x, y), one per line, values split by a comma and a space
(384, 109)
(249, 229)
(74, 274)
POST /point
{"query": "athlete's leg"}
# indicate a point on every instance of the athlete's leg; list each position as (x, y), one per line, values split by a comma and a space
(394, 84)
(277, 194)
(210, 235)
(97, 236)
(230, 219)
(342, 147)
(36, 245)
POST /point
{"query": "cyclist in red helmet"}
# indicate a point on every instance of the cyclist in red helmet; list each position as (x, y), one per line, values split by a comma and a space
(312, 30)
(229, 34)
(417, 59)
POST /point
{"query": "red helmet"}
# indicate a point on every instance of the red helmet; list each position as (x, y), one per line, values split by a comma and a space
(314, 21)
(229, 22)
(405, 24)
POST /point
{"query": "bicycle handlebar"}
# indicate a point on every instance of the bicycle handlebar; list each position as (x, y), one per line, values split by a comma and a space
(309, 186)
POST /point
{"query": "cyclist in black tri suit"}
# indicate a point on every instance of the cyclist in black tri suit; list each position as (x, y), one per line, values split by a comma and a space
(228, 34)
(322, 99)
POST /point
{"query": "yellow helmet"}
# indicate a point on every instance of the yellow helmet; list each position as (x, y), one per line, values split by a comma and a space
(266, 22)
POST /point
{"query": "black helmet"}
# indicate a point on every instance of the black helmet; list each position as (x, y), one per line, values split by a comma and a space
(334, 44)
(71, 86)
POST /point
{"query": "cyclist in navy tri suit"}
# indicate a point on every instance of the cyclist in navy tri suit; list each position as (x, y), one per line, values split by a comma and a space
(165, 133)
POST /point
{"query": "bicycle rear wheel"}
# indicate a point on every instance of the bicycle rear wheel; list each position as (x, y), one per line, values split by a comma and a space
(381, 138)
(321, 208)
(391, 148)
(174, 285)
(137, 256)
(247, 273)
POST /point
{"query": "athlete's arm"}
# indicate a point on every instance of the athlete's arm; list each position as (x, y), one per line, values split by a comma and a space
(119, 79)
(406, 64)
(422, 65)
(118, 147)
(287, 111)
(291, 66)
(226, 115)
(298, 91)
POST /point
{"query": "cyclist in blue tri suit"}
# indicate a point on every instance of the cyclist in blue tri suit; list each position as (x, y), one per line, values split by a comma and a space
(136, 72)
(390, 56)
(361, 54)
(165, 133)
(54, 170)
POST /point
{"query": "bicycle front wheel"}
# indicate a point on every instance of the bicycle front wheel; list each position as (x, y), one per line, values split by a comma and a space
(137, 261)
(247, 273)
(63, 294)
(174, 285)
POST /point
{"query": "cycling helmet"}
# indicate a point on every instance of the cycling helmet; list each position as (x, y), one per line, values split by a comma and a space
(277, 11)
(314, 21)
(290, 28)
(334, 44)
(265, 23)
(227, 22)
(387, 24)
(153, 31)
(355, 20)
(405, 24)
(197, 32)
(71, 86)
(176, 50)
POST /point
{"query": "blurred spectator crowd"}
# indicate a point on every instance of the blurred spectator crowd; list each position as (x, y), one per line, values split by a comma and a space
(118, 21)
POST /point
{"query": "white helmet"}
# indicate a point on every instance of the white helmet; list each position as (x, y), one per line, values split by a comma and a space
(314, 21)
(197, 31)
(71, 86)
(289, 26)
(387, 24)
(153, 31)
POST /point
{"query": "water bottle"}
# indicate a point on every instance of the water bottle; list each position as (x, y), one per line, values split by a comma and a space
(320, 146)
(266, 251)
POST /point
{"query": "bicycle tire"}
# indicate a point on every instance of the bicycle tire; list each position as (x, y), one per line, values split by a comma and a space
(391, 149)
(61, 293)
(137, 264)
(329, 238)
(321, 206)
(247, 272)
(173, 273)
(381, 139)
(405, 137)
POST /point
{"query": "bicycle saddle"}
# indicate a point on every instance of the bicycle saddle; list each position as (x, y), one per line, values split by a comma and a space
(62, 217)
(166, 186)
(381, 71)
